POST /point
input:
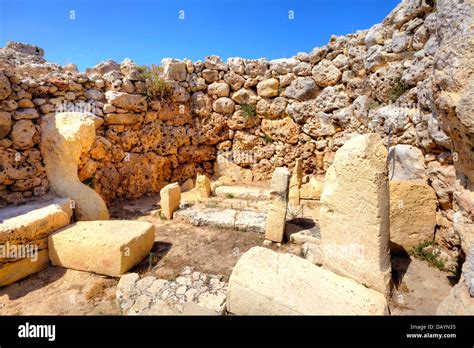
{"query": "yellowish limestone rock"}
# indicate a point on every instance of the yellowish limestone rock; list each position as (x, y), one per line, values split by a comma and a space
(11, 272)
(264, 282)
(104, 247)
(64, 136)
(354, 216)
(170, 198)
(295, 183)
(276, 218)
(203, 186)
(412, 214)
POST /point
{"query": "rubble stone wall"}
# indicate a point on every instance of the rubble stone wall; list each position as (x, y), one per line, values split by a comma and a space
(260, 114)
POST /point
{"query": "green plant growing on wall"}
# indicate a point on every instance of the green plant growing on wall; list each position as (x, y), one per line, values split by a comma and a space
(267, 139)
(397, 90)
(248, 110)
(157, 88)
(421, 252)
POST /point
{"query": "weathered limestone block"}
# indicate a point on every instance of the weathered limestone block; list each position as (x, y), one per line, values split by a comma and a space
(130, 102)
(223, 166)
(203, 186)
(64, 137)
(104, 247)
(268, 88)
(406, 162)
(312, 189)
(295, 183)
(188, 185)
(412, 214)
(170, 199)
(27, 223)
(11, 272)
(264, 282)
(276, 218)
(458, 302)
(355, 213)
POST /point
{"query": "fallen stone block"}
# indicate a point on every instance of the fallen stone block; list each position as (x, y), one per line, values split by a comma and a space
(104, 247)
(412, 214)
(250, 221)
(27, 223)
(265, 282)
(11, 272)
(170, 198)
(214, 217)
(239, 192)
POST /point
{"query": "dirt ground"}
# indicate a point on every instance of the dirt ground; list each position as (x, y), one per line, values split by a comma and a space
(58, 291)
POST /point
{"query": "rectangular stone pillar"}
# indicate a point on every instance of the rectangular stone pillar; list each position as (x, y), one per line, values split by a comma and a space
(276, 217)
(170, 198)
(295, 183)
(354, 217)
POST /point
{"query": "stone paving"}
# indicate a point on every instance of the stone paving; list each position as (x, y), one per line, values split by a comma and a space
(242, 220)
(191, 292)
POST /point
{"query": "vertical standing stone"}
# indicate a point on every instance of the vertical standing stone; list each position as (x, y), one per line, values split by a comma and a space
(203, 186)
(354, 216)
(64, 137)
(278, 204)
(295, 183)
(170, 198)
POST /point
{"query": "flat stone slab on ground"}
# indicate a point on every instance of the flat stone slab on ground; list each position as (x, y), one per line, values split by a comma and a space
(265, 282)
(191, 293)
(252, 193)
(242, 220)
(104, 247)
(11, 272)
(30, 222)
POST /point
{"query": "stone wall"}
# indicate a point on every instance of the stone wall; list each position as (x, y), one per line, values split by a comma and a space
(258, 114)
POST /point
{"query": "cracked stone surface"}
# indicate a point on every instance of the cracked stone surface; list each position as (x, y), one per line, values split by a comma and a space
(190, 293)
(469, 272)
(224, 218)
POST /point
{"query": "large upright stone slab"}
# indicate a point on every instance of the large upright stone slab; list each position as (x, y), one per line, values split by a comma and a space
(264, 282)
(295, 183)
(354, 215)
(104, 247)
(170, 196)
(276, 217)
(64, 136)
(412, 214)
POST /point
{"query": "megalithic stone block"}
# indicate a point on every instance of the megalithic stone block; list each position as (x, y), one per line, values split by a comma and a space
(64, 136)
(276, 218)
(104, 247)
(295, 183)
(354, 214)
(170, 198)
(264, 282)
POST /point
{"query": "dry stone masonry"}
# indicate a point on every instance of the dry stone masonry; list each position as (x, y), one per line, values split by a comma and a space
(384, 114)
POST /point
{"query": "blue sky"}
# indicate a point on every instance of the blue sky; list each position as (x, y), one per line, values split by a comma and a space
(147, 31)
